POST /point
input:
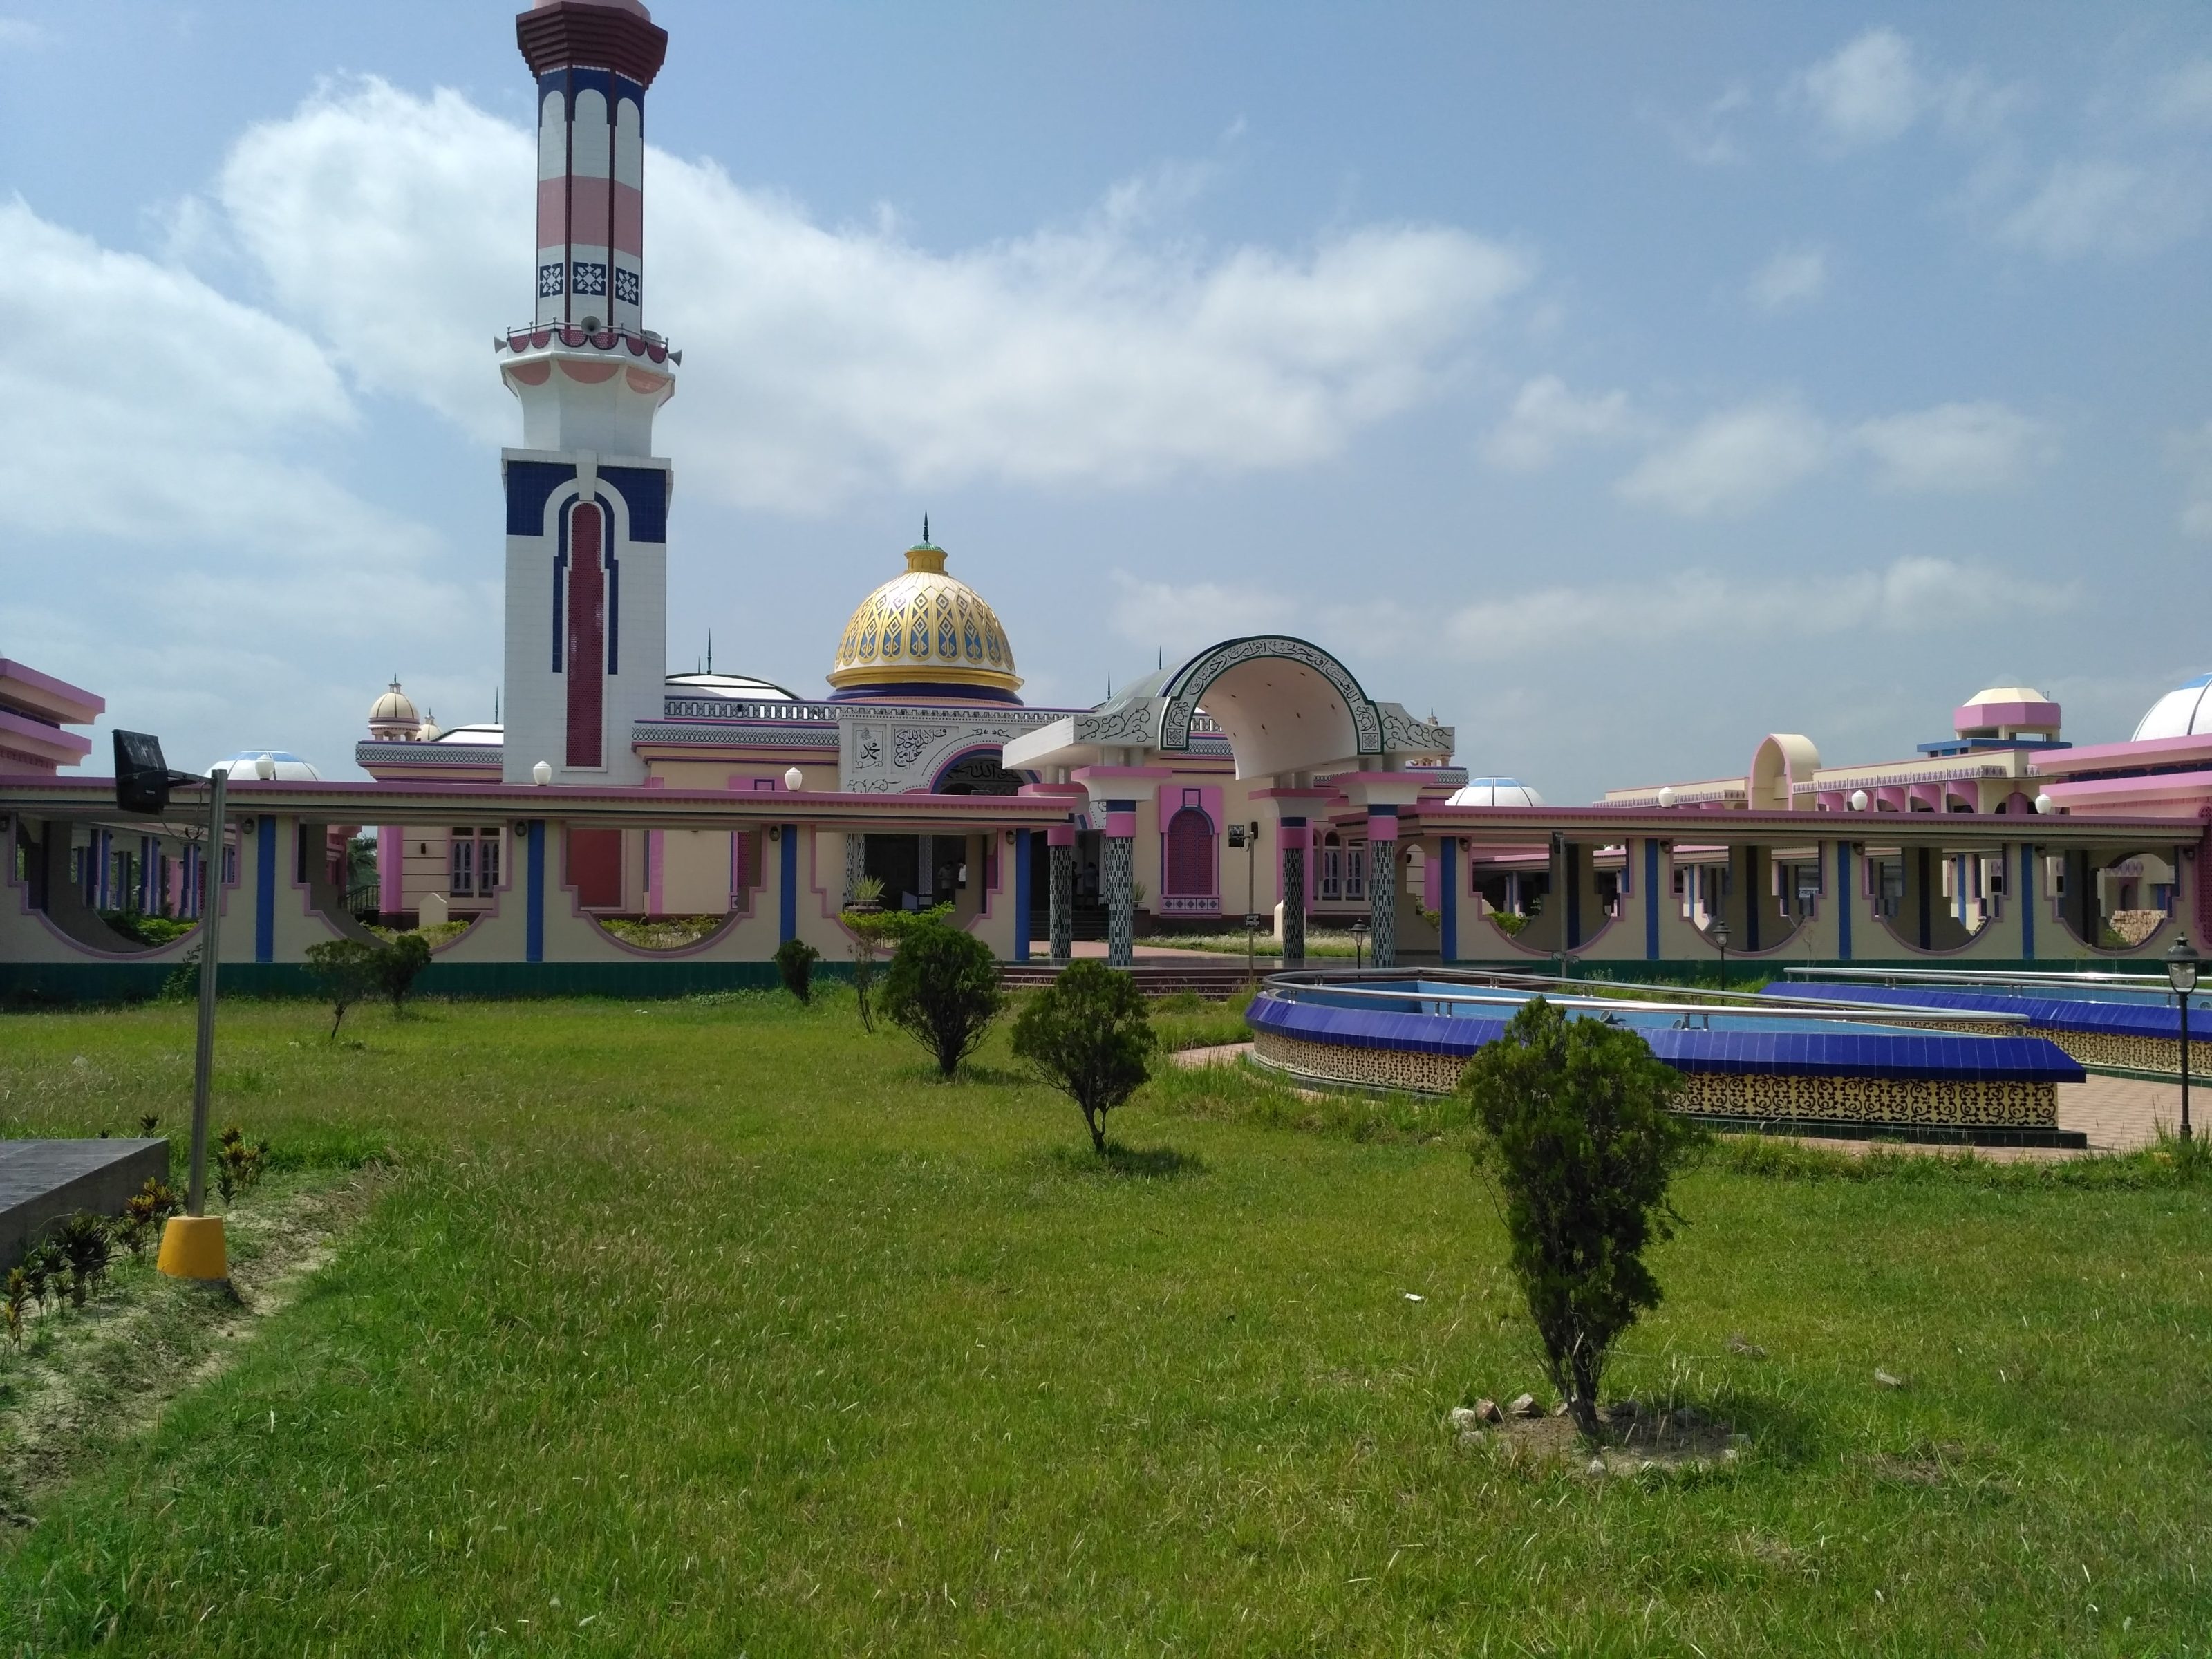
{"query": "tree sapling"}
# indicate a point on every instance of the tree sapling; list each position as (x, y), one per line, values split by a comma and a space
(1576, 1131)
(943, 990)
(1090, 1035)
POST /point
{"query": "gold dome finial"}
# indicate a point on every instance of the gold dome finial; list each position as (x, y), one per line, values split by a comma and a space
(925, 630)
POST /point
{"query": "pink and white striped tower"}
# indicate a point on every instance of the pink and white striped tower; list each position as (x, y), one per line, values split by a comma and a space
(586, 500)
(593, 63)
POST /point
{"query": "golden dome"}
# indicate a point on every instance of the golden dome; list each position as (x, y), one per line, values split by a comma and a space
(925, 629)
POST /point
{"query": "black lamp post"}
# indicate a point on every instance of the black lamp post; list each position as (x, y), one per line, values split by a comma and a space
(1359, 946)
(2181, 974)
(1720, 932)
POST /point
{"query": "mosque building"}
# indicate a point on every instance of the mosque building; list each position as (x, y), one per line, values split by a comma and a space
(1259, 777)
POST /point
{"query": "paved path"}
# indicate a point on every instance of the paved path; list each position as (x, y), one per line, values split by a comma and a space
(2119, 1114)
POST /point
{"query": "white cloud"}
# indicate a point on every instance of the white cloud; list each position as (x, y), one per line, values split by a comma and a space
(2114, 209)
(2184, 98)
(1793, 276)
(2193, 453)
(1908, 596)
(1731, 462)
(166, 479)
(21, 32)
(1869, 92)
(1546, 417)
(1953, 446)
(821, 360)
(137, 402)
(1707, 137)
(1180, 617)
(1875, 89)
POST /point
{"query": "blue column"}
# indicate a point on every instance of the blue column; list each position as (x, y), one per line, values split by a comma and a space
(533, 907)
(789, 920)
(2027, 900)
(1021, 896)
(1448, 886)
(1650, 900)
(265, 889)
(1844, 900)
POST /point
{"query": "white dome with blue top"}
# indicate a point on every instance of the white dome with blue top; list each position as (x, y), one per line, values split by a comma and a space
(2183, 712)
(1495, 792)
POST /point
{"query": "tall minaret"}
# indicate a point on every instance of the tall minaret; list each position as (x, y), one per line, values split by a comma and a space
(586, 501)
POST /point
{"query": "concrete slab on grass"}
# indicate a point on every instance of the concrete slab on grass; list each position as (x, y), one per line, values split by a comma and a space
(42, 1180)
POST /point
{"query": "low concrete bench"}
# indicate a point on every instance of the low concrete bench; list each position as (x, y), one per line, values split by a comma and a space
(42, 1180)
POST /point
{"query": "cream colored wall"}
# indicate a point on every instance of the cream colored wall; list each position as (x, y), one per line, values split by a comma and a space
(695, 873)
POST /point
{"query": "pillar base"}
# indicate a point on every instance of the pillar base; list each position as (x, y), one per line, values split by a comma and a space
(192, 1248)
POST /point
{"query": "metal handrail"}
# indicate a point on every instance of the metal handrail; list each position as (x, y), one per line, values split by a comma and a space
(1838, 1010)
(2087, 976)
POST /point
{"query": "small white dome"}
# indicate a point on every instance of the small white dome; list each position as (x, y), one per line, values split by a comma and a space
(291, 769)
(479, 733)
(1495, 792)
(2183, 712)
(2007, 694)
(740, 687)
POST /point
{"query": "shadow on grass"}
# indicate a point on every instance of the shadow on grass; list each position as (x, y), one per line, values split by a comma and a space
(1146, 1162)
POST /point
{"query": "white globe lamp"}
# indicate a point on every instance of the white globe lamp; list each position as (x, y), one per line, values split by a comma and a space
(792, 778)
(542, 774)
(1666, 798)
(264, 766)
(1858, 802)
(2043, 803)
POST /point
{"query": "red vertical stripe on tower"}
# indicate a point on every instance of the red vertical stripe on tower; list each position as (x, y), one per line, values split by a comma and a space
(587, 639)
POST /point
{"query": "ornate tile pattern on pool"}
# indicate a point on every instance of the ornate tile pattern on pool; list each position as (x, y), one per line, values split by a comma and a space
(1972, 1101)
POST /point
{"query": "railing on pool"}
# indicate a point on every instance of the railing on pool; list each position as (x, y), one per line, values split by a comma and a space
(2087, 978)
(1505, 990)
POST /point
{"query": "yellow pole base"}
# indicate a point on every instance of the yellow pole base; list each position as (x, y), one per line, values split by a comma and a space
(192, 1248)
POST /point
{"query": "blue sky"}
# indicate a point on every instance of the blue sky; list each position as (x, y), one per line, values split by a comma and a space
(1624, 383)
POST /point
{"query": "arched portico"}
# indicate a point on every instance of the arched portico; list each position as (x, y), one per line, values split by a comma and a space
(1296, 721)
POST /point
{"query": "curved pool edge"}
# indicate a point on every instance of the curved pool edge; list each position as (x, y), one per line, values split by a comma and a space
(1871, 1081)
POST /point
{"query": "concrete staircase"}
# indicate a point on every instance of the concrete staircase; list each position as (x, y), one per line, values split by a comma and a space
(1215, 982)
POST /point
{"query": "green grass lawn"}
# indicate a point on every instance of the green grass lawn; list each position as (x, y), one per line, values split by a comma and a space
(715, 1327)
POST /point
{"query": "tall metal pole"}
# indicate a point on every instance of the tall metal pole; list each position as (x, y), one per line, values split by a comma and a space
(210, 931)
(2185, 1065)
(1251, 897)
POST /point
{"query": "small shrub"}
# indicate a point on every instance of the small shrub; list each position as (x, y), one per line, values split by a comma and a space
(943, 990)
(396, 966)
(147, 1122)
(144, 1211)
(182, 982)
(17, 1306)
(348, 970)
(46, 1269)
(794, 961)
(237, 1166)
(87, 1242)
(872, 930)
(1577, 1129)
(1090, 1036)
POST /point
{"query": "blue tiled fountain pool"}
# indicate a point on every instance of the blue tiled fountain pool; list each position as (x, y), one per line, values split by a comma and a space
(1830, 1069)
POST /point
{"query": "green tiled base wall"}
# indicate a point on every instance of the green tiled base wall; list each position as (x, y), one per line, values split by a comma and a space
(131, 981)
(1969, 1103)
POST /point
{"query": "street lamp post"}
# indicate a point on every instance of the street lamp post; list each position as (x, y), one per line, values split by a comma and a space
(192, 1244)
(1720, 932)
(2181, 974)
(1359, 946)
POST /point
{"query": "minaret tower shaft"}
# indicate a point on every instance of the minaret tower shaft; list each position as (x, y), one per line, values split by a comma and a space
(586, 500)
